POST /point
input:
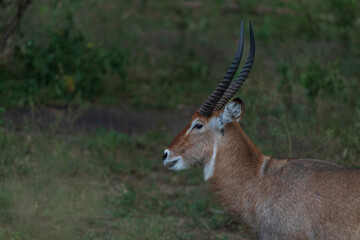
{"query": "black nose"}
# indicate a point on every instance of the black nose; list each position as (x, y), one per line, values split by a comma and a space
(164, 156)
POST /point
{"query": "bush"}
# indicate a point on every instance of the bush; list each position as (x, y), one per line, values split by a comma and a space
(65, 68)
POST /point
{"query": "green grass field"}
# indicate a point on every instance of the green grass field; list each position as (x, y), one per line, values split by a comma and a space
(107, 186)
(159, 60)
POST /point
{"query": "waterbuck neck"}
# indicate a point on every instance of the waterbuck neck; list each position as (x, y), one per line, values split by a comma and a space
(237, 167)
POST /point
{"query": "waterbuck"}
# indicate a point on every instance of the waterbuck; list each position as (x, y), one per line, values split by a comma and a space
(276, 198)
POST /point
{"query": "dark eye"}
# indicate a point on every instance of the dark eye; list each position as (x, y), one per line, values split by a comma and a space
(198, 126)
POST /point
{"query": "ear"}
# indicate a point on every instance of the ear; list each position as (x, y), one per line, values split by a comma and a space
(233, 111)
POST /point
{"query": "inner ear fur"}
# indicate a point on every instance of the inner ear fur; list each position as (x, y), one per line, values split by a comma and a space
(233, 111)
(242, 104)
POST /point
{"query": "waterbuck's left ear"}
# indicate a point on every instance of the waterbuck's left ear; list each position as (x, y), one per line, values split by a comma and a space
(233, 111)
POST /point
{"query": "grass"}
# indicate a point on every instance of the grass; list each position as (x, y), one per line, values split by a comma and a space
(301, 101)
(98, 188)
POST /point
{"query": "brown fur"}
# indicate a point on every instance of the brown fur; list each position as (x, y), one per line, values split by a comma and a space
(276, 198)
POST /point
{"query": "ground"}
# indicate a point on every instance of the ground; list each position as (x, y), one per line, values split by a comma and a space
(85, 180)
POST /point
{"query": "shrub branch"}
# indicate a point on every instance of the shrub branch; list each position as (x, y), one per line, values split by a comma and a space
(9, 29)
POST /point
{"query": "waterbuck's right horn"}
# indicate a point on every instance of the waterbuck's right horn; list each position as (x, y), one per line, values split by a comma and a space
(209, 104)
(238, 82)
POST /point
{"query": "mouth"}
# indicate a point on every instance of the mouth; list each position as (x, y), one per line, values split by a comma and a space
(171, 164)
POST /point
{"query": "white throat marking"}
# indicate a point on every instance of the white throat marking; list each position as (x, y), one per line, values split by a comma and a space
(209, 167)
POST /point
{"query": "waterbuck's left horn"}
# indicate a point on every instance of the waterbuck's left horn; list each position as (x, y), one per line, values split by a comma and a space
(209, 104)
(238, 82)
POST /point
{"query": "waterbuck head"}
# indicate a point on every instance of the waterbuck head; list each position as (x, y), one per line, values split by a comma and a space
(195, 144)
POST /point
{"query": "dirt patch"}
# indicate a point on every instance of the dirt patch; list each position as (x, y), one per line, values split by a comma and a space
(129, 121)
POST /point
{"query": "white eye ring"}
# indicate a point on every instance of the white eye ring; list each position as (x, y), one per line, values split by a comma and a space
(195, 124)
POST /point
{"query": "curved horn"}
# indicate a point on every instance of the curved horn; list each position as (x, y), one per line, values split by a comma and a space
(209, 104)
(234, 87)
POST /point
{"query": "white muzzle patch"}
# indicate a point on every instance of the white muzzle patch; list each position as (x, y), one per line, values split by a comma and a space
(174, 163)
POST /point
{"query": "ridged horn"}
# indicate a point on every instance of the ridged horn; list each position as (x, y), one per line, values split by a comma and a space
(208, 105)
(238, 82)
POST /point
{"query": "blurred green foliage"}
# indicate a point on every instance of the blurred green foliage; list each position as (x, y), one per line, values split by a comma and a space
(5, 206)
(170, 53)
(317, 80)
(301, 101)
(63, 69)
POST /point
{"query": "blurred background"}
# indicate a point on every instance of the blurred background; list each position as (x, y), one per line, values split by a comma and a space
(91, 92)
